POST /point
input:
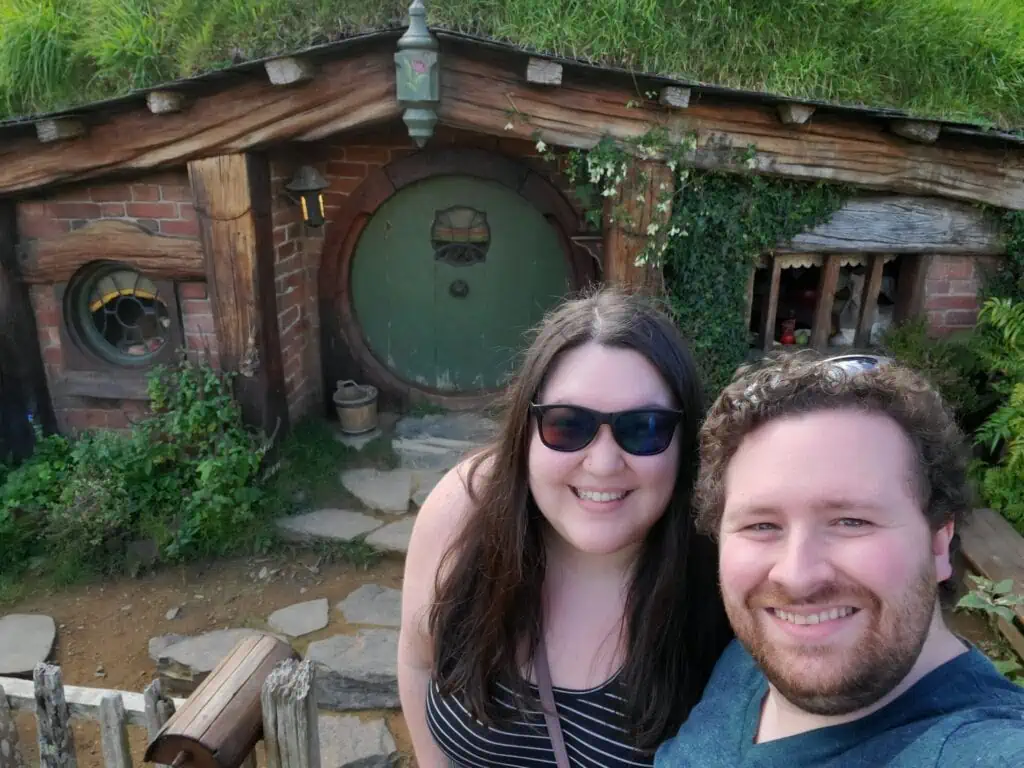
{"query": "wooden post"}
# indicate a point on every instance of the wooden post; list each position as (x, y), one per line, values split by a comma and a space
(10, 753)
(56, 739)
(822, 323)
(627, 217)
(869, 300)
(114, 732)
(291, 735)
(232, 198)
(771, 306)
(158, 709)
(22, 375)
(910, 286)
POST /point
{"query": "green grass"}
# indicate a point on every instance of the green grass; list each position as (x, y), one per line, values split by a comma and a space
(953, 59)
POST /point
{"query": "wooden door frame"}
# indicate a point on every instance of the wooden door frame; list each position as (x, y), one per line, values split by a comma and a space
(344, 349)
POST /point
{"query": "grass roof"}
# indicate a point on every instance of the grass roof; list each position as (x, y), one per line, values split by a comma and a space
(949, 59)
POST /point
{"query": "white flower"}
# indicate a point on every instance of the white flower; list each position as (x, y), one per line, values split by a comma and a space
(509, 126)
(663, 207)
(652, 229)
(674, 231)
(610, 192)
(641, 199)
(750, 162)
(541, 146)
(671, 166)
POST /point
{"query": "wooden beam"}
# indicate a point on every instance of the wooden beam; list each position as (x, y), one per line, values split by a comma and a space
(83, 703)
(232, 195)
(869, 301)
(23, 386)
(543, 72)
(916, 130)
(350, 93)
(59, 129)
(636, 207)
(674, 96)
(56, 259)
(477, 95)
(899, 224)
(750, 297)
(822, 323)
(165, 102)
(770, 307)
(792, 113)
(289, 70)
(910, 287)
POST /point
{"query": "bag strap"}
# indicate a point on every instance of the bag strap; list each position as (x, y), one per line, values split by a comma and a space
(547, 700)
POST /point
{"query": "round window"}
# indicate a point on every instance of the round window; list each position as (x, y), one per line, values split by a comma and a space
(118, 314)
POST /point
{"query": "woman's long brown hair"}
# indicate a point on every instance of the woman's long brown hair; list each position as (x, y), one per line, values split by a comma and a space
(488, 590)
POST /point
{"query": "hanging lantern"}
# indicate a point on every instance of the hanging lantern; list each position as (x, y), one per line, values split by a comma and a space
(306, 189)
(417, 78)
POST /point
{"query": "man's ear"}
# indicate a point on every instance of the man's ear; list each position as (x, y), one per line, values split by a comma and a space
(940, 551)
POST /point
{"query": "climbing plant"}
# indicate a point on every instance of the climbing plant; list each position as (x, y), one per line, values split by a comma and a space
(718, 225)
(1006, 279)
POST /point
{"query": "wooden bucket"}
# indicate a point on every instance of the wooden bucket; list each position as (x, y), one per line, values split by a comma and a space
(356, 405)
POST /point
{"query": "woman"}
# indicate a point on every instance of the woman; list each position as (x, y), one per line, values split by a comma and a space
(572, 534)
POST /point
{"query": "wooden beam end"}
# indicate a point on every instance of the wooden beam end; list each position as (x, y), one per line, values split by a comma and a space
(543, 72)
(289, 70)
(791, 113)
(920, 131)
(165, 102)
(674, 96)
(58, 129)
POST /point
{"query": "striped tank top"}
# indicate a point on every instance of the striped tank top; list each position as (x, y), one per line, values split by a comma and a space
(593, 722)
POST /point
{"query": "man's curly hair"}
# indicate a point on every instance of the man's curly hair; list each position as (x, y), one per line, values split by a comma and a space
(802, 383)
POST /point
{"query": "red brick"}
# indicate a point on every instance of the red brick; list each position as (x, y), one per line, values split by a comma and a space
(53, 356)
(179, 228)
(199, 324)
(187, 211)
(145, 192)
(111, 193)
(118, 419)
(47, 317)
(963, 287)
(43, 226)
(951, 302)
(285, 251)
(176, 193)
(112, 210)
(959, 318)
(152, 210)
(352, 170)
(280, 235)
(284, 215)
(935, 287)
(192, 290)
(340, 186)
(288, 318)
(363, 154)
(952, 268)
(75, 210)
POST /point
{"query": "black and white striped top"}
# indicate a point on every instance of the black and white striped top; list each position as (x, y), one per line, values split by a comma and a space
(593, 724)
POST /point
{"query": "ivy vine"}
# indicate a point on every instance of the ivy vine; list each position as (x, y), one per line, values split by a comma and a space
(1006, 281)
(712, 229)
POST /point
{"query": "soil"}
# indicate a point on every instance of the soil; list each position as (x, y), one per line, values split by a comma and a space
(103, 630)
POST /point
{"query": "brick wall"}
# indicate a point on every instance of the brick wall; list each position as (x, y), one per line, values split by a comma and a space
(951, 293)
(161, 203)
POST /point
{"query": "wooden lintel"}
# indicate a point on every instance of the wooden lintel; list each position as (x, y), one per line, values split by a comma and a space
(543, 72)
(792, 113)
(59, 129)
(289, 70)
(821, 326)
(56, 259)
(165, 102)
(674, 96)
(232, 193)
(916, 130)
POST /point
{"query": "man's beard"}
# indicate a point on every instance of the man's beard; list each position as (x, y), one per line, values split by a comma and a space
(854, 677)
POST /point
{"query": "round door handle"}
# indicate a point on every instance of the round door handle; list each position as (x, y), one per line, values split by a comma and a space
(459, 289)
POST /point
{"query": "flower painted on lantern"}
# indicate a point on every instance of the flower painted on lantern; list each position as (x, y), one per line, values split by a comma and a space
(419, 66)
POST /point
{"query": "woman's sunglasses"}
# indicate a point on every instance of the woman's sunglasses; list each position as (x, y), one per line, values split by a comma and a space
(640, 432)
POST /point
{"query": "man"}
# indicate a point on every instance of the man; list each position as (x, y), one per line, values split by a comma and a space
(834, 496)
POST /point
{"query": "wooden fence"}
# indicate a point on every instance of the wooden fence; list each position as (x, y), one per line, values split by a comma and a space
(287, 700)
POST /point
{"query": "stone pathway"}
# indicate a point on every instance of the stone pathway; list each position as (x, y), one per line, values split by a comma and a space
(300, 619)
(25, 640)
(346, 741)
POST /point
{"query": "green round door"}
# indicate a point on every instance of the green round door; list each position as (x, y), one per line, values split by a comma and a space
(447, 277)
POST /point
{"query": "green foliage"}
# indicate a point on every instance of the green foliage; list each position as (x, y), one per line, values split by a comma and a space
(996, 600)
(957, 59)
(1006, 279)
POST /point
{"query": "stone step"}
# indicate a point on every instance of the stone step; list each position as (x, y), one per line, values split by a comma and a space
(327, 525)
(347, 741)
(357, 671)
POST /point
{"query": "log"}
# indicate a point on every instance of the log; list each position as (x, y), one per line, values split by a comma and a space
(232, 195)
(792, 113)
(165, 102)
(114, 732)
(289, 70)
(58, 129)
(635, 208)
(821, 326)
(291, 736)
(56, 739)
(476, 95)
(916, 130)
(898, 224)
(351, 93)
(674, 96)
(869, 301)
(543, 72)
(56, 259)
(10, 752)
(910, 287)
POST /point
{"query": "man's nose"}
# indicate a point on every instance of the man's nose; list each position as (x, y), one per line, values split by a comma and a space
(803, 566)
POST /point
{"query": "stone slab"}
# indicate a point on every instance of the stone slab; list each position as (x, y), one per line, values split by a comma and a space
(384, 490)
(358, 442)
(465, 426)
(357, 671)
(300, 619)
(183, 664)
(393, 537)
(326, 525)
(373, 604)
(25, 640)
(349, 742)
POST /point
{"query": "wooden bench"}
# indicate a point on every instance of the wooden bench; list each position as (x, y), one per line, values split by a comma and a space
(994, 549)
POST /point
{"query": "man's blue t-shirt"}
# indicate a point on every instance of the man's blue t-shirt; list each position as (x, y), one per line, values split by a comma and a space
(963, 713)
